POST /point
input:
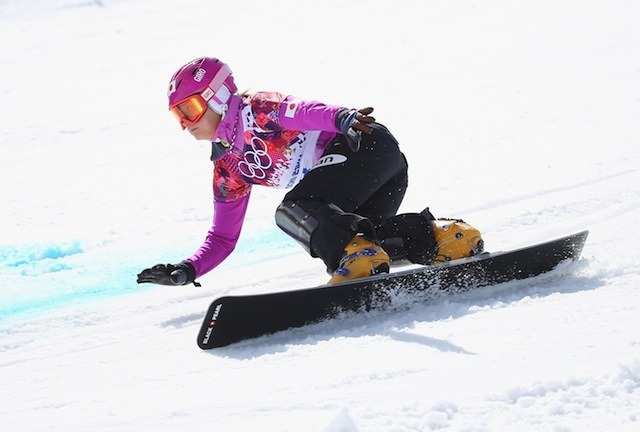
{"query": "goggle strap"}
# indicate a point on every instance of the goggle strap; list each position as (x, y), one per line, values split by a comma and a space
(216, 82)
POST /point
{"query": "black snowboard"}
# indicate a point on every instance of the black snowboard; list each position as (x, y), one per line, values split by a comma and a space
(235, 318)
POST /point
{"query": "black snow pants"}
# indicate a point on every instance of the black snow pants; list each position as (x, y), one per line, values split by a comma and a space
(369, 183)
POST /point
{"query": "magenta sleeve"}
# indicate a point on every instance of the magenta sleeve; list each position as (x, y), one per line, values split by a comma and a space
(301, 115)
(222, 238)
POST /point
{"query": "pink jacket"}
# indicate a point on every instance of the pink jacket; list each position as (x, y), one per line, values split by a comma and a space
(276, 140)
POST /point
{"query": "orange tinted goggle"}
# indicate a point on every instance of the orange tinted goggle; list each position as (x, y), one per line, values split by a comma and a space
(189, 110)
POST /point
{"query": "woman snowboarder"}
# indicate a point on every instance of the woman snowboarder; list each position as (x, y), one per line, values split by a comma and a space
(346, 173)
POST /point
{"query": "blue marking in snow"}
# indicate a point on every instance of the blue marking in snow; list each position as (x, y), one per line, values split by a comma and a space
(40, 277)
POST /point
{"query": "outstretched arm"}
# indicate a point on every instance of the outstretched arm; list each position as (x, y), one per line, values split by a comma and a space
(221, 240)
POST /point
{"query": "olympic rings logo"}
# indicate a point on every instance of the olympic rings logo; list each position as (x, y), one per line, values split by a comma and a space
(256, 161)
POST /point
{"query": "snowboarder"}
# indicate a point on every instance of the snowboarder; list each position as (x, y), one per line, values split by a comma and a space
(347, 174)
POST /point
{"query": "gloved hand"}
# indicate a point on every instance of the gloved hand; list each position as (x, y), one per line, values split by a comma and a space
(352, 123)
(169, 274)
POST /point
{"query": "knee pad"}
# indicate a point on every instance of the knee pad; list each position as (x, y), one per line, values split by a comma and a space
(297, 222)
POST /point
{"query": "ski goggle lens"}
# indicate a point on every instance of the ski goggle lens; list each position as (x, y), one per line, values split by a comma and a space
(189, 110)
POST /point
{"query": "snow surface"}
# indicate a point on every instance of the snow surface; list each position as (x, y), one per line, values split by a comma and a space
(523, 117)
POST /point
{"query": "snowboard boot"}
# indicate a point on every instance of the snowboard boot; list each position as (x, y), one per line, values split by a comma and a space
(362, 258)
(408, 238)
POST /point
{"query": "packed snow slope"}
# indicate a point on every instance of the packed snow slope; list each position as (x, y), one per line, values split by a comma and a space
(522, 117)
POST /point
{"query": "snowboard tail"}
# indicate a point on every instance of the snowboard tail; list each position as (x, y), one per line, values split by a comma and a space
(232, 319)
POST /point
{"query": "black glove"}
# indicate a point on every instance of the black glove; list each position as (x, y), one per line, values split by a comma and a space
(352, 123)
(168, 274)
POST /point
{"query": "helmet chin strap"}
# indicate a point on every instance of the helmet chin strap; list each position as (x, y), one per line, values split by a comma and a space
(233, 102)
(221, 110)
